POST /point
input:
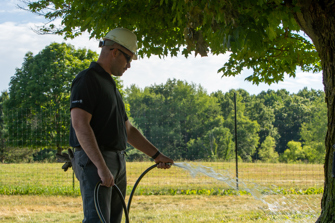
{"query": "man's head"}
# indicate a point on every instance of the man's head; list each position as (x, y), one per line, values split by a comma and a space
(118, 49)
(123, 37)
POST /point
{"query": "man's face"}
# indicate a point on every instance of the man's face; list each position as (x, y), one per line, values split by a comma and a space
(122, 60)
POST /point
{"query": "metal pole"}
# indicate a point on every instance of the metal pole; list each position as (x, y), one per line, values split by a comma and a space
(333, 169)
(73, 180)
(333, 172)
(236, 157)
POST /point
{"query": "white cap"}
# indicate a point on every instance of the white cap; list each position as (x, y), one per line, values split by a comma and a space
(125, 38)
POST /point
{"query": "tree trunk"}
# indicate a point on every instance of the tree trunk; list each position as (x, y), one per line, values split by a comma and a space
(317, 19)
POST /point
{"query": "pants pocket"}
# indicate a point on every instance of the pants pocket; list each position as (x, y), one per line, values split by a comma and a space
(81, 158)
(79, 162)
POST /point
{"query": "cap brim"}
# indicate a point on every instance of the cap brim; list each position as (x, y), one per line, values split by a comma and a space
(109, 44)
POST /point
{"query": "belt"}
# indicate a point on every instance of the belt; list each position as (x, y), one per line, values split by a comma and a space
(78, 148)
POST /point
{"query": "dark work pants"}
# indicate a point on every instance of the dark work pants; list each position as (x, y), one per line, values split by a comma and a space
(109, 200)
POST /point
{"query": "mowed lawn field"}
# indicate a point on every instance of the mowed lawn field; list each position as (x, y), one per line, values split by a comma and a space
(164, 208)
(45, 193)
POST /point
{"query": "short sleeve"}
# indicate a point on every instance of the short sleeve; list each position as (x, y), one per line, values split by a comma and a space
(122, 107)
(84, 92)
(125, 117)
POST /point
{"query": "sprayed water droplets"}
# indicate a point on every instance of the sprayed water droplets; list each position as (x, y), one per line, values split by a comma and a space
(274, 205)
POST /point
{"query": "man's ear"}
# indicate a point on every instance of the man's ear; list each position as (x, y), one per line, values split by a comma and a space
(114, 52)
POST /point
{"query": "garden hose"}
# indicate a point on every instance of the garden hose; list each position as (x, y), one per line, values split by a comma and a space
(126, 209)
(97, 206)
(135, 185)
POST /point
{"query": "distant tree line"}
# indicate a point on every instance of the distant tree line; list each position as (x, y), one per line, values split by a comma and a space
(34, 114)
(181, 119)
(187, 123)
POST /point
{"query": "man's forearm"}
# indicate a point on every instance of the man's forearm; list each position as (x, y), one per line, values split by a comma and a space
(136, 139)
(89, 144)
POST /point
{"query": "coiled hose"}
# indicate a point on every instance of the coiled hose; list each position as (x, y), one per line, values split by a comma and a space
(126, 209)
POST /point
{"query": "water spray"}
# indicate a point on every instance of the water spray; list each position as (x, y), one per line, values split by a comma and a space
(194, 170)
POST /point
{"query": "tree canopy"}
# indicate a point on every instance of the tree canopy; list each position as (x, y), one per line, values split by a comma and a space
(183, 121)
(260, 35)
(39, 93)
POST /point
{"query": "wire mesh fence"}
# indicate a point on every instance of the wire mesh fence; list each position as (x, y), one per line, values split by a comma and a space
(31, 138)
(49, 178)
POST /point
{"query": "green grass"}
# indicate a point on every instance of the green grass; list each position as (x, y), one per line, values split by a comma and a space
(38, 190)
(165, 208)
(170, 195)
(50, 179)
(68, 191)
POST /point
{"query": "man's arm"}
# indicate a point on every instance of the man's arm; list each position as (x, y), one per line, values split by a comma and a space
(136, 139)
(81, 124)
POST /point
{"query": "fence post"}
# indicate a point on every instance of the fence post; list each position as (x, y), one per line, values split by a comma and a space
(236, 157)
(333, 169)
(73, 179)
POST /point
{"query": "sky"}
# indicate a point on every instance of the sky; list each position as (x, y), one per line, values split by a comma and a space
(17, 38)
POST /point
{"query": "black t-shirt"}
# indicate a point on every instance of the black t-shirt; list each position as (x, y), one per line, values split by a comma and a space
(94, 91)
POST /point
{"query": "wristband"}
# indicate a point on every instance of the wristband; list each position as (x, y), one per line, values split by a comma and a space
(156, 154)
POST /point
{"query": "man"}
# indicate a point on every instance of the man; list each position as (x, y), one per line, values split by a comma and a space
(100, 128)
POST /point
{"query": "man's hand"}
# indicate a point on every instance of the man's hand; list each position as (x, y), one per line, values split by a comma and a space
(163, 161)
(106, 177)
